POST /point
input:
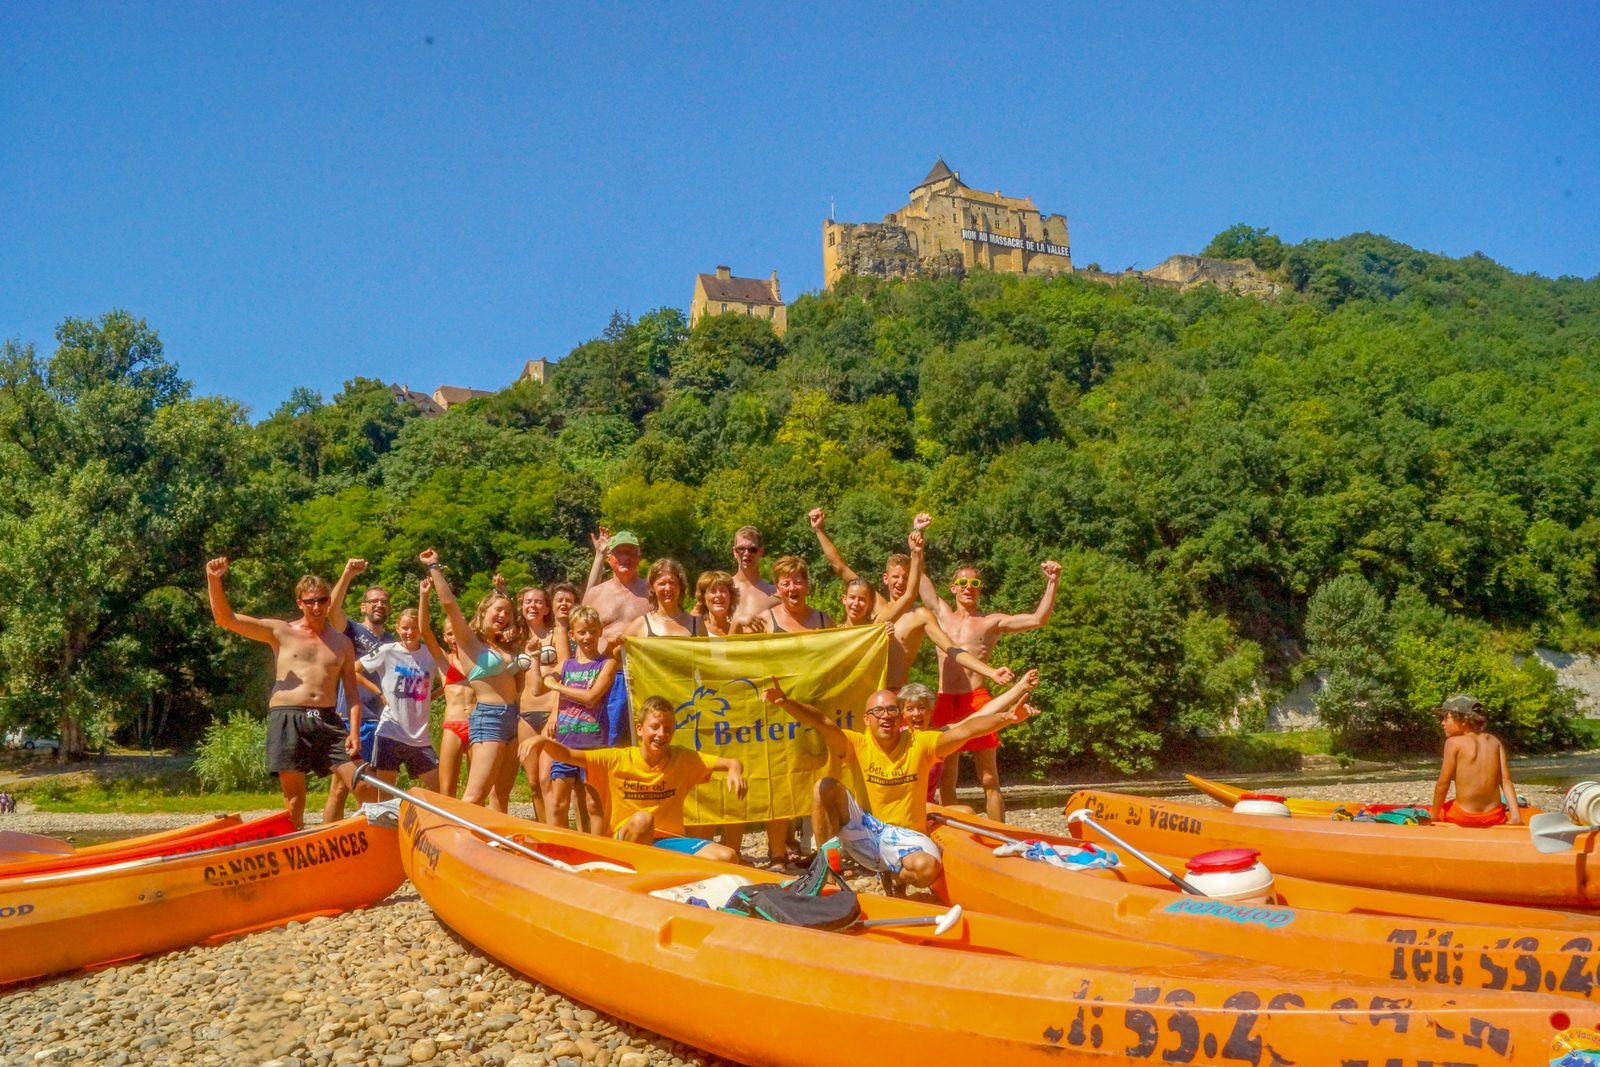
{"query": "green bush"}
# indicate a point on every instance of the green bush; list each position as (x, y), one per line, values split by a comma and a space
(232, 758)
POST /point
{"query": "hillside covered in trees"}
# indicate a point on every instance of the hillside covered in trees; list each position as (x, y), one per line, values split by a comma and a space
(1390, 473)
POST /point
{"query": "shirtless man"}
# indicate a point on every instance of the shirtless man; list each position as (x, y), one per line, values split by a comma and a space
(310, 661)
(756, 594)
(1476, 763)
(959, 691)
(894, 605)
(619, 600)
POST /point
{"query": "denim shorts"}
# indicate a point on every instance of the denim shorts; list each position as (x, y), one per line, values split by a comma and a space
(492, 722)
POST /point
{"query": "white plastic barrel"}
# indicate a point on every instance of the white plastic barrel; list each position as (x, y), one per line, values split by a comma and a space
(1262, 804)
(1583, 804)
(1231, 874)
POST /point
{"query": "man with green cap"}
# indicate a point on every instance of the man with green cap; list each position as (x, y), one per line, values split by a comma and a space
(619, 600)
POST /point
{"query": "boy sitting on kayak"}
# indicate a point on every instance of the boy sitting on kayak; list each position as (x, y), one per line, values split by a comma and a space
(645, 787)
(890, 769)
(1476, 763)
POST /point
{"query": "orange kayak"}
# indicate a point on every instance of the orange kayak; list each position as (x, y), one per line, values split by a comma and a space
(1229, 795)
(213, 833)
(1453, 861)
(988, 990)
(1371, 934)
(64, 920)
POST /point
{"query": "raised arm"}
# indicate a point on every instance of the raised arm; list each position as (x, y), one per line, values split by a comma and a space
(942, 641)
(546, 739)
(222, 611)
(1509, 790)
(466, 640)
(897, 607)
(341, 589)
(1011, 624)
(1002, 711)
(830, 551)
(832, 736)
(601, 539)
(425, 624)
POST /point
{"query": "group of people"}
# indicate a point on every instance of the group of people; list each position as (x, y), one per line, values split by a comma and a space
(532, 681)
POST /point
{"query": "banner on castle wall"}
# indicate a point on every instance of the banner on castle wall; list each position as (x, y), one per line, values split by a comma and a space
(716, 687)
(987, 238)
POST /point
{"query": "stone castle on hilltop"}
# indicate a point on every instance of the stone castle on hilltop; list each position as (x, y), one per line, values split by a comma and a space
(947, 227)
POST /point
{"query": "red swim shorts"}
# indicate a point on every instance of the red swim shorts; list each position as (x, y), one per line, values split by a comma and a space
(1452, 813)
(951, 708)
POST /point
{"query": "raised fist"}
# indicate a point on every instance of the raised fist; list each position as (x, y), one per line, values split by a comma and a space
(917, 542)
(1052, 569)
(354, 566)
(425, 587)
(428, 557)
(816, 516)
(1005, 675)
(1030, 679)
(216, 568)
(921, 521)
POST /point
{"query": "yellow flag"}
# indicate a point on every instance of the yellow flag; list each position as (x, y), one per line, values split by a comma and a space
(716, 686)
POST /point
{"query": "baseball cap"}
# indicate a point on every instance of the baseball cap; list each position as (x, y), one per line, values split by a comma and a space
(623, 537)
(1461, 703)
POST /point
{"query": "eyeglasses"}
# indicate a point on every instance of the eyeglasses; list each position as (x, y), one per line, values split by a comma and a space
(746, 549)
(884, 711)
(968, 583)
(316, 599)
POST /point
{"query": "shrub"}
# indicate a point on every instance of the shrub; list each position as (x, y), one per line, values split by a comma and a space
(232, 758)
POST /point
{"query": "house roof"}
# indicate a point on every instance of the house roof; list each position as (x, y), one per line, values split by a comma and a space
(742, 290)
(448, 395)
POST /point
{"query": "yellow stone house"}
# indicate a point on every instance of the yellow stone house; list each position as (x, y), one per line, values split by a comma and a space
(723, 294)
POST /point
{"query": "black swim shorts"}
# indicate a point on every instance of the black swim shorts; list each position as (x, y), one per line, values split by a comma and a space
(310, 740)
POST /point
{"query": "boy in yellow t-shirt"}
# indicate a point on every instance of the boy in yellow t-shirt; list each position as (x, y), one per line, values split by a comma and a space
(645, 787)
(889, 769)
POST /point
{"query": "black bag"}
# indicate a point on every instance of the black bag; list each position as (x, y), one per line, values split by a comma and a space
(801, 901)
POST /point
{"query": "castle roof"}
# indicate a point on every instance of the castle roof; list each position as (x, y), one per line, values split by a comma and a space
(741, 290)
(939, 172)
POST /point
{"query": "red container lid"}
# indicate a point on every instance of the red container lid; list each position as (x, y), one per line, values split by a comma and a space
(1263, 796)
(1223, 860)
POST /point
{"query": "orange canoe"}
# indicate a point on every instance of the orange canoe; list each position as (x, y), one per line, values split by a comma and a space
(25, 848)
(213, 833)
(1371, 934)
(989, 990)
(1229, 795)
(65, 920)
(1453, 861)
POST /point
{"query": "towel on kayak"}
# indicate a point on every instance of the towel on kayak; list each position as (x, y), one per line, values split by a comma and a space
(1088, 857)
(801, 901)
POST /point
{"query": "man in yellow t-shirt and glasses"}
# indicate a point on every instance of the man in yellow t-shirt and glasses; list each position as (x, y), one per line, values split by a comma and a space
(889, 768)
(644, 787)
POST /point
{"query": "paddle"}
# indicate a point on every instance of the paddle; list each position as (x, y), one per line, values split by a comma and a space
(33, 844)
(1086, 817)
(504, 842)
(1551, 832)
(941, 923)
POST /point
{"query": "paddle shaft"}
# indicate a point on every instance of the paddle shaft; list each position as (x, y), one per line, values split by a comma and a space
(1083, 816)
(505, 842)
(971, 829)
(943, 921)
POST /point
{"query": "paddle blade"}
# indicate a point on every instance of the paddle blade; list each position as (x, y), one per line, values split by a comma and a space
(1551, 832)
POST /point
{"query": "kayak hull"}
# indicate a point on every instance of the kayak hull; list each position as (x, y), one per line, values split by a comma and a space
(66, 920)
(213, 833)
(1376, 935)
(1229, 795)
(1453, 861)
(990, 990)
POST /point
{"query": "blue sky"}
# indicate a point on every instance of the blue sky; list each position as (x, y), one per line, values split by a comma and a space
(296, 194)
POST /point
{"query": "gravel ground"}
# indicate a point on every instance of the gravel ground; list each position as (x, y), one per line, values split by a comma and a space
(386, 987)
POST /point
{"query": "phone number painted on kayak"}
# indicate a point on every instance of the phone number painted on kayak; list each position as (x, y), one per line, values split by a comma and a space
(1168, 1028)
(1428, 958)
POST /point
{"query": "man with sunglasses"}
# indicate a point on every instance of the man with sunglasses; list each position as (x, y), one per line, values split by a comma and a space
(368, 635)
(756, 594)
(310, 662)
(888, 770)
(961, 692)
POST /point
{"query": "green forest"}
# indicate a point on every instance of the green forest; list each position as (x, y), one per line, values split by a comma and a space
(1388, 473)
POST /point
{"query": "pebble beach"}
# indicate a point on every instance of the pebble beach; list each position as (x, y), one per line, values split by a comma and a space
(389, 986)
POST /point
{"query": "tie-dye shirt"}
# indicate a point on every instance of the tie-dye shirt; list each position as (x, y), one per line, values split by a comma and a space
(407, 682)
